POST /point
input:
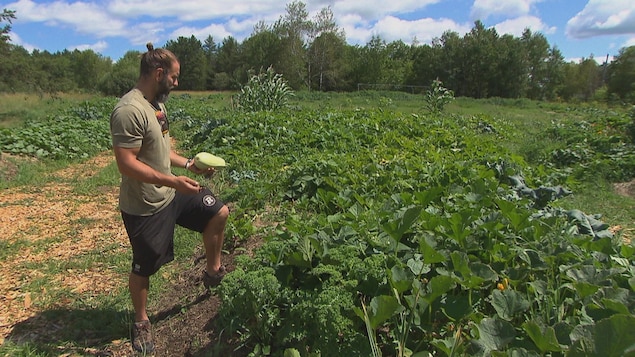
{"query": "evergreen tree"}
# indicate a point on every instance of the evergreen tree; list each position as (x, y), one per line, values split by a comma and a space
(193, 62)
(210, 48)
(229, 65)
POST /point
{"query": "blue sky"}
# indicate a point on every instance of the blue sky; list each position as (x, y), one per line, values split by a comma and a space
(578, 28)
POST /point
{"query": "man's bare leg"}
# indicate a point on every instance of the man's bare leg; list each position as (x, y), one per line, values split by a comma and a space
(138, 286)
(213, 237)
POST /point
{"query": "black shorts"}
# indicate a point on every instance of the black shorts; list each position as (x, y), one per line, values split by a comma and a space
(152, 237)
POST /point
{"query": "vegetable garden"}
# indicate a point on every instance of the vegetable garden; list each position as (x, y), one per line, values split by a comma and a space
(402, 233)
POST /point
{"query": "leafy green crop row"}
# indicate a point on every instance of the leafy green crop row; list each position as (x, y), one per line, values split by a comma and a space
(599, 145)
(411, 234)
(79, 133)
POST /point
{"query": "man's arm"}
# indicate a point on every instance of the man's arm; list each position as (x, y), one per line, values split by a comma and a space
(129, 166)
(179, 161)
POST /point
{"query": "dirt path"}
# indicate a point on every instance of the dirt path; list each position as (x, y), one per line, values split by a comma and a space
(51, 213)
(52, 223)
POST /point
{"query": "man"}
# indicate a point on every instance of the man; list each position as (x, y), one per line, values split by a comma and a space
(152, 200)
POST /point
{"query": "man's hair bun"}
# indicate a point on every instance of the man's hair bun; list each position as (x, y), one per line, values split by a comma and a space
(150, 46)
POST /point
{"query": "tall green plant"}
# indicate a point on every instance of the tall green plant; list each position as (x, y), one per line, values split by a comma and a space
(264, 91)
(438, 97)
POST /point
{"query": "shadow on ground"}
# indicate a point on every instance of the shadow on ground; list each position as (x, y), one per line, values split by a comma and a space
(68, 331)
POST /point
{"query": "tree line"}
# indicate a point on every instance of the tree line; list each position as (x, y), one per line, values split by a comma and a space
(312, 54)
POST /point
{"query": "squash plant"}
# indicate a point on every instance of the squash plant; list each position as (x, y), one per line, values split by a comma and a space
(413, 235)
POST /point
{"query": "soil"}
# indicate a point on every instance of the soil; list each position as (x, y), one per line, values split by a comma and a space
(183, 314)
(625, 188)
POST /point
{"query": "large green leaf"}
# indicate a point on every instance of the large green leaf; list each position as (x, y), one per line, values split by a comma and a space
(382, 308)
(457, 307)
(589, 224)
(543, 336)
(402, 223)
(583, 342)
(438, 286)
(417, 266)
(400, 279)
(471, 274)
(430, 255)
(615, 336)
(533, 258)
(495, 334)
(508, 303)
(517, 217)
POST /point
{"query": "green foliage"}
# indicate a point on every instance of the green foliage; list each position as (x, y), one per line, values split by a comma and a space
(122, 77)
(423, 234)
(402, 233)
(622, 75)
(193, 62)
(437, 97)
(5, 16)
(264, 91)
(80, 133)
(252, 299)
(600, 145)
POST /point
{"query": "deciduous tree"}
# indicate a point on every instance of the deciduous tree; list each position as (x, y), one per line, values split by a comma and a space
(621, 75)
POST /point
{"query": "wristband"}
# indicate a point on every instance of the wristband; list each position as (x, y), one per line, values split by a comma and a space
(188, 163)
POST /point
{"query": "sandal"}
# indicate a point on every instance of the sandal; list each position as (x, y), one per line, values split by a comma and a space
(210, 281)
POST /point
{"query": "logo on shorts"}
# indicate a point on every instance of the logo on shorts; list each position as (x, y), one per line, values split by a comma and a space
(209, 200)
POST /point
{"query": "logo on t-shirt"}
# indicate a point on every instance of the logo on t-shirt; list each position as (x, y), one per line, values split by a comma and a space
(163, 121)
(209, 200)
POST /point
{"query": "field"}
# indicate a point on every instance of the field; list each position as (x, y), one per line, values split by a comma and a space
(362, 224)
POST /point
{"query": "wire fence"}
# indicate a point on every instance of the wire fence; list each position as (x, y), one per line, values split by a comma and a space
(392, 87)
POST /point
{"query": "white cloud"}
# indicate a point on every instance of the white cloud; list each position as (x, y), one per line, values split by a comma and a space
(391, 28)
(191, 10)
(482, 9)
(518, 25)
(601, 17)
(136, 22)
(97, 47)
(16, 40)
(217, 31)
(629, 42)
(371, 10)
(116, 18)
(145, 32)
(87, 18)
(244, 27)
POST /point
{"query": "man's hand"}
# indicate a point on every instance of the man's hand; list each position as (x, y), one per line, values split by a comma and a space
(206, 172)
(186, 185)
(180, 161)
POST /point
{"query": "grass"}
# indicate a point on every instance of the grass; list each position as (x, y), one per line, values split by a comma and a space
(18, 107)
(106, 178)
(599, 197)
(27, 172)
(67, 319)
(530, 118)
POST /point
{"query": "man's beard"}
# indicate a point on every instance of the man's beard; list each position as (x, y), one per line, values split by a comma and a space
(164, 90)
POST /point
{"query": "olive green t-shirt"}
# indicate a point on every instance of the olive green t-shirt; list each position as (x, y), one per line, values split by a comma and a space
(134, 124)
